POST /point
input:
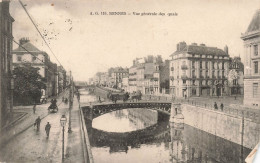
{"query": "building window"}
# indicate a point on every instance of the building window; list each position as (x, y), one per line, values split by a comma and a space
(255, 88)
(193, 74)
(193, 64)
(33, 58)
(19, 58)
(184, 81)
(207, 73)
(200, 64)
(256, 49)
(256, 67)
(206, 65)
(235, 82)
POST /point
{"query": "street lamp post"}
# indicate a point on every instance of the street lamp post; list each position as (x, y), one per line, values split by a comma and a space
(70, 103)
(63, 122)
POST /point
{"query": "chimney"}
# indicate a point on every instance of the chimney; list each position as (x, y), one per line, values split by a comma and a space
(226, 49)
(195, 44)
(134, 62)
(202, 45)
(182, 45)
(24, 40)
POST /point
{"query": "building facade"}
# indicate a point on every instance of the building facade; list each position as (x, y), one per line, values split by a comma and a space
(61, 79)
(236, 76)
(37, 59)
(251, 40)
(117, 75)
(6, 96)
(198, 70)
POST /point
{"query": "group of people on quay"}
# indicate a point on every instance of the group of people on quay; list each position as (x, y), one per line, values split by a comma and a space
(135, 96)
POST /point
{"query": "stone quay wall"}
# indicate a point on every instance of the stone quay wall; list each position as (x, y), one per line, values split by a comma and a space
(233, 127)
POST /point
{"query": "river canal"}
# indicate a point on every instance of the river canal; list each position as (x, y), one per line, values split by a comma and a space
(139, 136)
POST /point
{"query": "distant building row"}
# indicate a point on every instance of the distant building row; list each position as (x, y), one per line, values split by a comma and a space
(194, 70)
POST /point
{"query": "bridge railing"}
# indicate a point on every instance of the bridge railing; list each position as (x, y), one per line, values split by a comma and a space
(232, 110)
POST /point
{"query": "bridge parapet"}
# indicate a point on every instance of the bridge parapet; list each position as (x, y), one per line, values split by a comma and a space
(100, 109)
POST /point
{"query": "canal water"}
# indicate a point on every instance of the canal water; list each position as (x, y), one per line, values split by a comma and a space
(139, 136)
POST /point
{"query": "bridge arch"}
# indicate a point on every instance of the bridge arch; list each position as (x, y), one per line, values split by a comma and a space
(94, 111)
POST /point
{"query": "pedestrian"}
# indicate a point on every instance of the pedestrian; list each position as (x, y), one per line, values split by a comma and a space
(37, 123)
(47, 129)
(221, 106)
(115, 99)
(215, 106)
(34, 108)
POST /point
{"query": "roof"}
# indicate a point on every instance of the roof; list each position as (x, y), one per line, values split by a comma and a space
(149, 68)
(28, 46)
(204, 50)
(120, 70)
(255, 22)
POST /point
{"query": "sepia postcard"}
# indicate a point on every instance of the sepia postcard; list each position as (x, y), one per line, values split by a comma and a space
(130, 81)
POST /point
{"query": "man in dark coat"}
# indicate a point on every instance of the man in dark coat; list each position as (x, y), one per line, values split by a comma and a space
(47, 129)
(37, 123)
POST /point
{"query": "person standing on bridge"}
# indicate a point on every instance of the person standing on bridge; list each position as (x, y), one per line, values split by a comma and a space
(47, 129)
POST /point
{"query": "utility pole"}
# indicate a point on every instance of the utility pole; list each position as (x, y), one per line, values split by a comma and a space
(70, 103)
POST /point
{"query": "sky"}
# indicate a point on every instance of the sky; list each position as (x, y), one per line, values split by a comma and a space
(86, 44)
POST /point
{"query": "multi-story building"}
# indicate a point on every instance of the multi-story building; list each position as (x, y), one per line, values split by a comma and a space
(236, 76)
(104, 79)
(27, 53)
(198, 70)
(117, 75)
(6, 96)
(164, 77)
(145, 75)
(61, 79)
(125, 83)
(133, 76)
(251, 40)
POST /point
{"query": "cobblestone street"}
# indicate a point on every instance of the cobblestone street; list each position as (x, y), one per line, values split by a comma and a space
(32, 146)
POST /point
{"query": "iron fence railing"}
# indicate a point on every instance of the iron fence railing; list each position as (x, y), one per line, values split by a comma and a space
(231, 110)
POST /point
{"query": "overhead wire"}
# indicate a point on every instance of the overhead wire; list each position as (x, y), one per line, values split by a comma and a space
(23, 6)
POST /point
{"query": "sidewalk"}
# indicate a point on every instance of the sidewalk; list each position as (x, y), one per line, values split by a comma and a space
(74, 149)
(24, 121)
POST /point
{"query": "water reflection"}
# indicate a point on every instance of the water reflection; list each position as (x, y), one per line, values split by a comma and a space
(125, 120)
(152, 139)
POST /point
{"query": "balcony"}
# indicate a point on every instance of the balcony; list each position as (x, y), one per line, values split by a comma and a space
(184, 77)
(184, 67)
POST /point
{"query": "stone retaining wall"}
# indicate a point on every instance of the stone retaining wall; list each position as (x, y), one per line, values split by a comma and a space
(231, 127)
